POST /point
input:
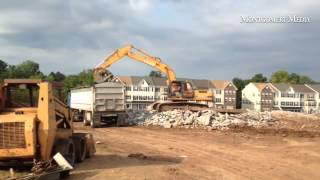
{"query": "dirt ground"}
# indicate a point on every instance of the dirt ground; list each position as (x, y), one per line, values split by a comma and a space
(155, 153)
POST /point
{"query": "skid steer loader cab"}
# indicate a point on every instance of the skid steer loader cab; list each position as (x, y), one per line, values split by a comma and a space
(32, 120)
(18, 113)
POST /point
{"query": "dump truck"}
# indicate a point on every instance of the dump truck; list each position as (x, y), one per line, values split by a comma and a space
(35, 125)
(102, 103)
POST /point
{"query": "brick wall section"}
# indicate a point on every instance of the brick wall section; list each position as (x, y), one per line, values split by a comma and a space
(266, 99)
(230, 94)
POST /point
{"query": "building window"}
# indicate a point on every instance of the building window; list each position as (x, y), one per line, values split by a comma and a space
(128, 97)
(246, 102)
(165, 89)
(218, 100)
(157, 89)
(218, 91)
(128, 88)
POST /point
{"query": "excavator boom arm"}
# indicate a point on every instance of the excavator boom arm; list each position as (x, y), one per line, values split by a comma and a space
(138, 55)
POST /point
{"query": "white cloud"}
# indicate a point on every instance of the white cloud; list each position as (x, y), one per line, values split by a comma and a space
(140, 5)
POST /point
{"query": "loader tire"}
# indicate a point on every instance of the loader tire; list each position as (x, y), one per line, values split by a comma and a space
(80, 146)
(67, 149)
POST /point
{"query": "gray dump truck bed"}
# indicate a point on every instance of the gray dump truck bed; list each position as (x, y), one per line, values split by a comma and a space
(101, 103)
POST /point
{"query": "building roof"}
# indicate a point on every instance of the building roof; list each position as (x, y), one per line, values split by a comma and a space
(221, 84)
(125, 79)
(301, 88)
(162, 81)
(315, 87)
(159, 81)
(281, 86)
(296, 87)
(198, 83)
(135, 80)
(203, 84)
(261, 86)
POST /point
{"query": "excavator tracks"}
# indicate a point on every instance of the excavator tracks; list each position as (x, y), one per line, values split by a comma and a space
(171, 105)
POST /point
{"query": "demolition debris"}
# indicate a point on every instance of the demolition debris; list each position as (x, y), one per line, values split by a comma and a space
(207, 119)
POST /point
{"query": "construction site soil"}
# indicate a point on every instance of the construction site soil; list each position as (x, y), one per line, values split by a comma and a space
(287, 150)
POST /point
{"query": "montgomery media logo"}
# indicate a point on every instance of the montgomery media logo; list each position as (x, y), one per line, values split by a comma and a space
(280, 19)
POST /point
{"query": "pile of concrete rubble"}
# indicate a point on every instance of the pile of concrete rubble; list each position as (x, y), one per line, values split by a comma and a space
(207, 119)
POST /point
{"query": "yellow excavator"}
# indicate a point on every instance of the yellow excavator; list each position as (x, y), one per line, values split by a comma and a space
(181, 94)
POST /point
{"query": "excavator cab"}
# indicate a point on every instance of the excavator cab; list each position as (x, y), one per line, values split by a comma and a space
(180, 90)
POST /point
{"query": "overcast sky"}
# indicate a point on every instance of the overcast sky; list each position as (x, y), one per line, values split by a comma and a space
(199, 39)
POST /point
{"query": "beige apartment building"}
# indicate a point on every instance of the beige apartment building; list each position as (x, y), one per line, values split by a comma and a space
(257, 96)
(294, 97)
(142, 91)
(286, 97)
(316, 89)
(224, 94)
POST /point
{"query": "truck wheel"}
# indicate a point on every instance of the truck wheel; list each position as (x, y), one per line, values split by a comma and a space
(85, 122)
(80, 146)
(87, 118)
(95, 120)
(94, 124)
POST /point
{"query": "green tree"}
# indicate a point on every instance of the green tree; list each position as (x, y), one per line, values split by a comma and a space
(155, 74)
(3, 65)
(240, 84)
(305, 80)
(26, 69)
(58, 76)
(3, 70)
(84, 78)
(294, 78)
(259, 78)
(280, 76)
